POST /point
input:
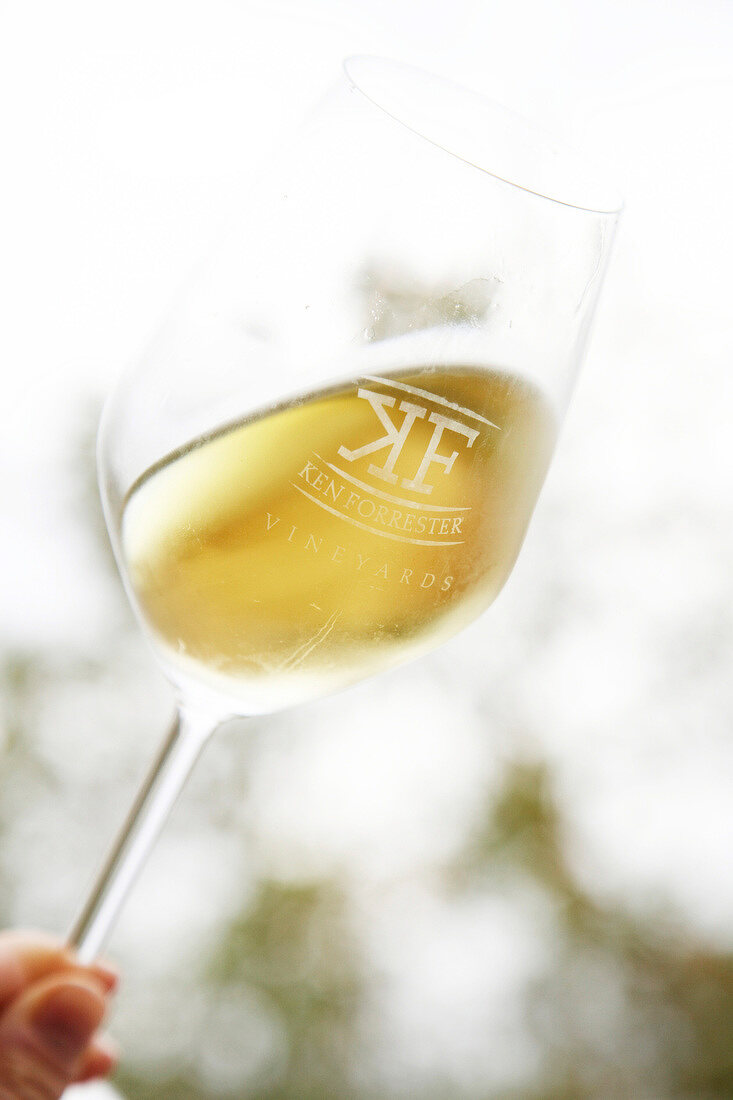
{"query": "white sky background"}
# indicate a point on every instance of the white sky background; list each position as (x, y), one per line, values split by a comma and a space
(127, 130)
(125, 133)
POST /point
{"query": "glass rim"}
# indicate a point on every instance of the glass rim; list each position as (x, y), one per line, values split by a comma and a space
(363, 72)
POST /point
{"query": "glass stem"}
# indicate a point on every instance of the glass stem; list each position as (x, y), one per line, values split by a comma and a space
(148, 813)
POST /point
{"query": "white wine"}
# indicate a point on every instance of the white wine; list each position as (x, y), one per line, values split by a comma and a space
(295, 552)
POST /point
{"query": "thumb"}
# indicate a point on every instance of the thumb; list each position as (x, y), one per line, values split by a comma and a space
(44, 1035)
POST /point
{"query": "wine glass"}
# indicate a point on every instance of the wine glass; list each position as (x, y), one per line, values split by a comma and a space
(326, 461)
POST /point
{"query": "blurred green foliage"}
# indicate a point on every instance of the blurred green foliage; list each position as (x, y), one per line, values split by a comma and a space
(678, 995)
(667, 1031)
(669, 1036)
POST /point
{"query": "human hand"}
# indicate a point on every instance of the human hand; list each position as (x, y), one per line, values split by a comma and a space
(50, 1009)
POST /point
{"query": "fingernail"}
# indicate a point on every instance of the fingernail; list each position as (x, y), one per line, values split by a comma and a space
(108, 975)
(66, 1018)
(100, 1060)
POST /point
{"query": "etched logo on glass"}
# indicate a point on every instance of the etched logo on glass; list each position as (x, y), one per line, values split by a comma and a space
(422, 437)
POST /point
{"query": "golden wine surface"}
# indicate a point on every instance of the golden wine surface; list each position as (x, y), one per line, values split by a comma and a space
(287, 555)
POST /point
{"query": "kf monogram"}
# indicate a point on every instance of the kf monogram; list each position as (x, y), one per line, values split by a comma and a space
(395, 439)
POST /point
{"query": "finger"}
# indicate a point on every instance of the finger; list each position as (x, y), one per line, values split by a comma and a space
(104, 972)
(27, 956)
(100, 1058)
(45, 1033)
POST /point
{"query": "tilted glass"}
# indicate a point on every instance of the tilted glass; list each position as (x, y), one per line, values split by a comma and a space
(326, 461)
